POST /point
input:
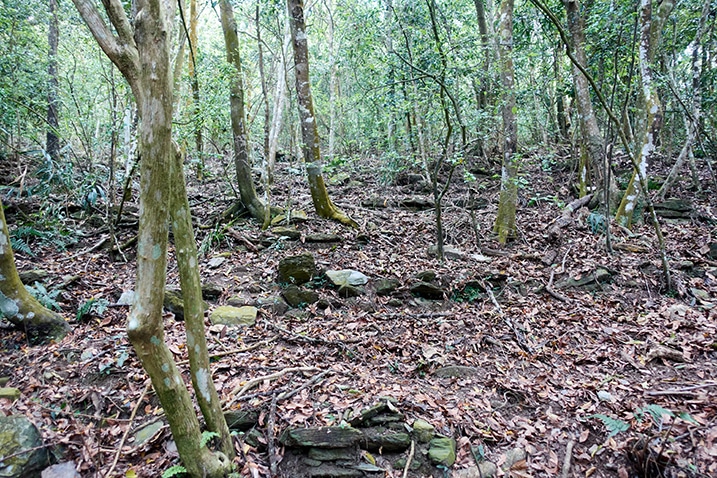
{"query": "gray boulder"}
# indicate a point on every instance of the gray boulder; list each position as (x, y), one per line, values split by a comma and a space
(233, 316)
(297, 269)
(17, 433)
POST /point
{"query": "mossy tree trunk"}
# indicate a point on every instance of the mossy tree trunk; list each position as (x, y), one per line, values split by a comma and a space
(17, 305)
(140, 49)
(247, 191)
(505, 220)
(591, 146)
(309, 129)
(649, 115)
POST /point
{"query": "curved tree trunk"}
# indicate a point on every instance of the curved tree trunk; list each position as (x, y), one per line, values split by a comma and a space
(309, 129)
(16, 303)
(247, 192)
(505, 220)
(141, 52)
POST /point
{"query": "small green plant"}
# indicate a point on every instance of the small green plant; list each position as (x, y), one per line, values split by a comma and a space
(208, 436)
(48, 299)
(174, 471)
(92, 307)
(597, 223)
(213, 238)
(613, 425)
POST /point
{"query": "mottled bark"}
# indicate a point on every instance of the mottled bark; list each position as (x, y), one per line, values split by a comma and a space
(649, 115)
(146, 66)
(247, 191)
(17, 305)
(592, 143)
(309, 129)
(52, 142)
(505, 221)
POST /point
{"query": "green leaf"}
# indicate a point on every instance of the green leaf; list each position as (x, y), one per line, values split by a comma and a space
(613, 425)
(655, 411)
(207, 436)
(173, 471)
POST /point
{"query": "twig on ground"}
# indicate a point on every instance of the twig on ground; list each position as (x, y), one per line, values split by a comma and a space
(99, 244)
(270, 434)
(242, 389)
(680, 391)
(126, 432)
(409, 459)
(568, 458)
(549, 288)
(305, 338)
(519, 337)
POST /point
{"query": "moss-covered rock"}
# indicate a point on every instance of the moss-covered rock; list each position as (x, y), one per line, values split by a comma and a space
(233, 316)
(297, 269)
(442, 451)
(17, 433)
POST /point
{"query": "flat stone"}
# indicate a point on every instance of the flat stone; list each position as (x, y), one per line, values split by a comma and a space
(442, 451)
(212, 290)
(297, 216)
(145, 433)
(449, 252)
(297, 269)
(379, 438)
(427, 290)
(10, 393)
(127, 298)
(35, 275)
(426, 276)
(333, 454)
(215, 262)
(512, 457)
(67, 469)
(241, 420)
(322, 437)
(460, 371)
(346, 277)
(18, 434)
(386, 286)
(322, 238)
(483, 470)
(233, 316)
(274, 303)
(423, 431)
(295, 296)
(289, 232)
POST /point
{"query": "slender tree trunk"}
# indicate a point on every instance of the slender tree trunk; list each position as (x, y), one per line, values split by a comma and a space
(649, 116)
(141, 51)
(592, 143)
(194, 80)
(279, 104)
(505, 220)
(16, 303)
(334, 88)
(309, 129)
(247, 191)
(484, 82)
(52, 143)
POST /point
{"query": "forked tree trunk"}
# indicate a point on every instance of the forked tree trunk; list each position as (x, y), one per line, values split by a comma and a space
(309, 129)
(247, 191)
(141, 51)
(505, 221)
(17, 305)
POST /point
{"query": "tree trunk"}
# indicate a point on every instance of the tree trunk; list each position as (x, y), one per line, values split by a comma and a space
(52, 143)
(505, 220)
(247, 192)
(309, 129)
(277, 120)
(16, 303)
(649, 115)
(141, 51)
(194, 80)
(592, 144)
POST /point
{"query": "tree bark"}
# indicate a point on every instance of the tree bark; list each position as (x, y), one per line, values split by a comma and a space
(247, 191)
(649, 115)
(505, 220)
(141, 50)
(52, 142)
(309, 129)
(194, 80)
(17, 305)
(591, 146)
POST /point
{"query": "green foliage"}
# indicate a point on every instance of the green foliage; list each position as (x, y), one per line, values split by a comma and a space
(391, 163)
(208, 436)
(54, 235)
(213, 238)
(613, 425)
(48, 299)
(174, 472)
(92, 307)
(597, 223)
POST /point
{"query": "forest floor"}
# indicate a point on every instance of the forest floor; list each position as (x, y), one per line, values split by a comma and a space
(611, 378)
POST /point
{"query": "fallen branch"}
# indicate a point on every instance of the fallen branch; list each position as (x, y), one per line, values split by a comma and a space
(519, 337)
(270, 434)
(126, 432)
(240, 237)
(549, 288)
(242, 389)
(98, 245)
(554, 233)
(680, 391)
(409, 459)
(568, 458)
